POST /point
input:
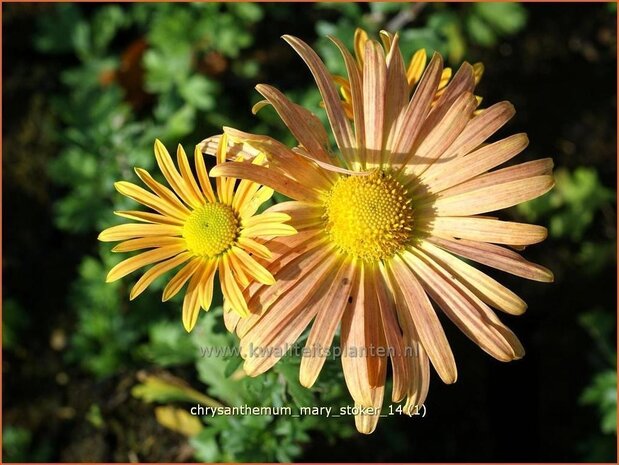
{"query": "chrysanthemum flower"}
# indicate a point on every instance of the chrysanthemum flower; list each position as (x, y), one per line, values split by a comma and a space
(197, 229)
(384, 224)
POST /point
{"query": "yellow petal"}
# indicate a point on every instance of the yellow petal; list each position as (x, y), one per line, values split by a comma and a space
(180, 278)
(206, 285)
(187, 175)
(176, 181)
(156, 271)
(150, 200)
(146, 258)
(132, 230)
(162, 191)
(255, 248)
(268, 229)
(260, 273)
(148, 217)
(191, 302)
(232, 292)
(203, 178)
(264, 218)
(416, 67)
(147, 243)
(225, 185)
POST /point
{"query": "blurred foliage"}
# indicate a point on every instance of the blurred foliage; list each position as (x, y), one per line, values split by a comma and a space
(136, 72)
(239, 438)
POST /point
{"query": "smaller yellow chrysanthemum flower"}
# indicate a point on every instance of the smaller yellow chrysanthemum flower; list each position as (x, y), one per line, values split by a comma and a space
(194, 227)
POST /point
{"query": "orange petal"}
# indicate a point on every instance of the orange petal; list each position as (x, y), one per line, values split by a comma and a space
(471, 315)
(487, 230)
(426, 321)
(330, 310)
(492, 198)
(496, 257)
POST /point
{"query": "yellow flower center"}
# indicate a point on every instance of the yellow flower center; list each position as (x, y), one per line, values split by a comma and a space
(210, 229)
(369, 217)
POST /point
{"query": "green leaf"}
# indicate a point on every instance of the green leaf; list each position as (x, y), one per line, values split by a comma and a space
(198, 92)
(480, 32)
(169, 344)
(505, 17)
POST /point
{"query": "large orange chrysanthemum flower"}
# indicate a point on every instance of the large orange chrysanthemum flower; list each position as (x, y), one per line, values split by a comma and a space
(195, 228)
(383, 224)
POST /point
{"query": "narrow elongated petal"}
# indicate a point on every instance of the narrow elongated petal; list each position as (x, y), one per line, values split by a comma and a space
(276, 329)
(148, 217)
(480, 128)
(225, 185)
(203, 179)
(353, 343)
(305, 126)
(255, 248)
(162, 191)
(512, 173)
(231, 319)
(157, 270)
(442, 135)
(146, 258)
(230, 288)
(285, 160)
(266, 218)
(152, 201)
(441, 176)
(426, 321)
(191, 302)
(393, 335)
(262, 175)
(496, 257)
(482, 285)
(396, 98)
(330, 310)
(251, 206)
(206, 284)
(147, 243)
(470, 314)
(488, 230)
(268, 229)
(251, 266)
(188, 177)
(180, 278)
(335, 112)
(122, 232)
(374, 82)
(166, 165)
(410, 124)
(463, 82)
(356, 91)
(303, 215)
(290, 280)
(492, 198)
